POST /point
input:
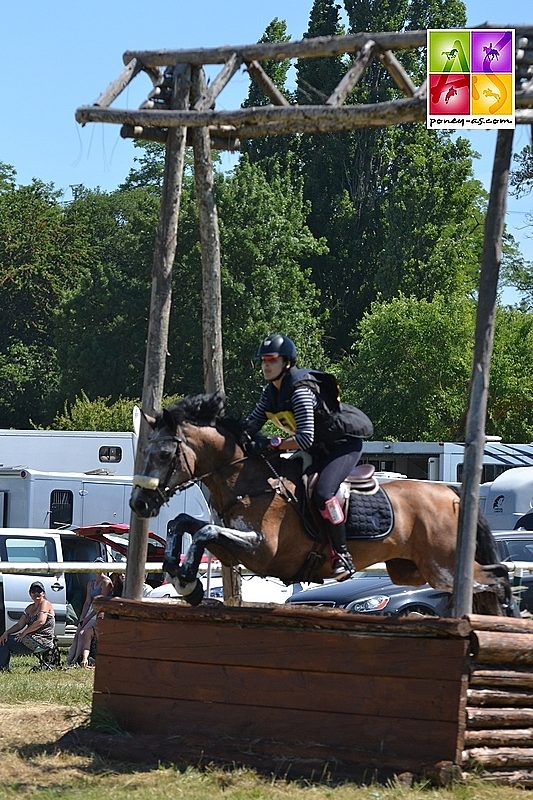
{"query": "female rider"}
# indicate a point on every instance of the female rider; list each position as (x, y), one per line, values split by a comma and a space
(291, 399)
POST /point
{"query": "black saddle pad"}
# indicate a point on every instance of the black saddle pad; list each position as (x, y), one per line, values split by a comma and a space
(370, 516)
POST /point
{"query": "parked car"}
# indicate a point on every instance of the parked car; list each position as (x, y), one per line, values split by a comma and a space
(374, 593)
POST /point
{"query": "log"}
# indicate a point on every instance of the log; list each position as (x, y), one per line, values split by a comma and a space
(220, 81)
(496, 738)
(481, 622)
(158, 324)
(493, 697)
(218, 140)
(365, 55)
(479, 381)
(258, 74)
(210, 247)
(289, 119)
(285, 616)
(397, 73)
(131, 69)
(502, 677)
(498, 718)
(499, 756)
(280, 51)
(518, 777)
(503, 648)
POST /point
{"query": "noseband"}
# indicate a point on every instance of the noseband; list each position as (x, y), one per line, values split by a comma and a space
(154, 484)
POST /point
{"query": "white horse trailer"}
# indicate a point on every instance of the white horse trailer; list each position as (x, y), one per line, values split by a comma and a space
(68, 451)
(30, 498)
(443, 461)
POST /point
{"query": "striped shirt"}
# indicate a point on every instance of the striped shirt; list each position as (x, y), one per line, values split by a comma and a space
(303, 404)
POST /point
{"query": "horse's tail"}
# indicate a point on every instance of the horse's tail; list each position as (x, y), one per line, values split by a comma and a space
(486, 550)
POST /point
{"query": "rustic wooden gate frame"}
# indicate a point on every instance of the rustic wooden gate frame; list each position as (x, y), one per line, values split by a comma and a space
(180, 110)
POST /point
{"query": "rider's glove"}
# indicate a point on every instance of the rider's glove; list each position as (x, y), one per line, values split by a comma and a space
(254, 445)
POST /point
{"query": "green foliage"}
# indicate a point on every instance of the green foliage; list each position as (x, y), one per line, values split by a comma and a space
(102, 332)
(510, 406)
(38, 256)
(100, 414)
(410, 370)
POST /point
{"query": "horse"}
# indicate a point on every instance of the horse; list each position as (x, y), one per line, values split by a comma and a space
(263, 525)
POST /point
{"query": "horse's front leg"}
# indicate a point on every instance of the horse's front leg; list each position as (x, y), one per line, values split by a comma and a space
(237, 543)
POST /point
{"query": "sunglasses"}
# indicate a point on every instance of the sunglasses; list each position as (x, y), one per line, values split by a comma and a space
(270, 357)
(36, 591)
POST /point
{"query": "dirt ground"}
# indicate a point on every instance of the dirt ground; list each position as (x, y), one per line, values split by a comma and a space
(29, 756)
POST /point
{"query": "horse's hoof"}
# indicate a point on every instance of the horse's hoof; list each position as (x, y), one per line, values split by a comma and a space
(171, 565)
(192, 593)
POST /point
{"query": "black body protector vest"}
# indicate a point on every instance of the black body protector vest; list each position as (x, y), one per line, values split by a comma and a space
(334, 421)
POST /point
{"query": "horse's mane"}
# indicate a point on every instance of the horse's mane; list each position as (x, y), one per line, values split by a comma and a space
(201, 410)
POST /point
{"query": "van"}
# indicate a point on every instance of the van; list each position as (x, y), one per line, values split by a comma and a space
(66, 591)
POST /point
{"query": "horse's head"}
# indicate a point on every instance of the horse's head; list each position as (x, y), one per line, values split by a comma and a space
(171, 453)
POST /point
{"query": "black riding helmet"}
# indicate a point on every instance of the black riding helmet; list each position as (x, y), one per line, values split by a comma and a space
(277, 344)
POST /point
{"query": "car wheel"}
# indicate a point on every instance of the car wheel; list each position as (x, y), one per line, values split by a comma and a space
(417, 611)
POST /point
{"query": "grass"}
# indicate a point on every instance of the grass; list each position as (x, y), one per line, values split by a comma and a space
(36, 709)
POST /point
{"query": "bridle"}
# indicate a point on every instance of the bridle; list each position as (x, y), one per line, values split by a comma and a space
(179, 457)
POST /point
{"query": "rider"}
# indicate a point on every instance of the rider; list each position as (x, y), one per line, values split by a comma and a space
(294, 408)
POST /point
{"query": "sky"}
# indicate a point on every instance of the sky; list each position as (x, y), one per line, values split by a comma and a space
(61, 55)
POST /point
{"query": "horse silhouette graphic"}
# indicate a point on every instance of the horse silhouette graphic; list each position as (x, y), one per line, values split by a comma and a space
(450, 93)
(491, 53)
(490, 93)
(450, 54)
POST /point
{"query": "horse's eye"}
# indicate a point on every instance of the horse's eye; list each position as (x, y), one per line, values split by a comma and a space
(165, 455)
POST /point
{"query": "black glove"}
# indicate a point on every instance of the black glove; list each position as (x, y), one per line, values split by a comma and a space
(254, 445)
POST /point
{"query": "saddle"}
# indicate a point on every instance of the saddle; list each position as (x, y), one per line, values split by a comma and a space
(366, 505)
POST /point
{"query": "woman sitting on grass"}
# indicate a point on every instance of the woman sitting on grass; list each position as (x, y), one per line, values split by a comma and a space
(34, 630)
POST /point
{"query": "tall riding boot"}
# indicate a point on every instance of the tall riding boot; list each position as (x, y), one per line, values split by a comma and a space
(342, 565)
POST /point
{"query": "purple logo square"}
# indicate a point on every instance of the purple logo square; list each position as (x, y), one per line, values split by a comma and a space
(492, 51)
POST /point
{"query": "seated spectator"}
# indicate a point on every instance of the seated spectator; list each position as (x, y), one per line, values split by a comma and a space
(34, 630)
(101, 586)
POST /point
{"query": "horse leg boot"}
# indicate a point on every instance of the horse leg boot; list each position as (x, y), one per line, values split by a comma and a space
(342, 565)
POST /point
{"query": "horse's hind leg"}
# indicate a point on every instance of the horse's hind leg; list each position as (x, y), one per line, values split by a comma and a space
(492, 591)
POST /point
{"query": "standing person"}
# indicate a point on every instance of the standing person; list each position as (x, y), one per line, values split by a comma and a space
(80, 647)
(305, 404)
(34, 630)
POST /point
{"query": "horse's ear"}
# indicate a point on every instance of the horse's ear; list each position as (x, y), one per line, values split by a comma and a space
(168, 419)
(150, 420)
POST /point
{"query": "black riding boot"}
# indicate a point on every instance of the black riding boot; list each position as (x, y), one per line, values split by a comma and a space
(342, 564)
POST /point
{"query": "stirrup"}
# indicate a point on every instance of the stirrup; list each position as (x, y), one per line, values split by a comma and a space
(342, 568)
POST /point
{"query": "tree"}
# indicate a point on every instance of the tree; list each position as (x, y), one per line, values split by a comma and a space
(266, 147)
(38, 274)
(410, 368)
(102, 331)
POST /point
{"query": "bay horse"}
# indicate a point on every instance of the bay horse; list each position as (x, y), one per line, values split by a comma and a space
(263, 527)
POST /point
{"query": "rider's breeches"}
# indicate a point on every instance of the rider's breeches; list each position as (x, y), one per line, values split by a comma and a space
(334, 468)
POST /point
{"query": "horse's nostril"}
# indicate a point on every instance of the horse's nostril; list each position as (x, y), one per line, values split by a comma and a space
(140, 507)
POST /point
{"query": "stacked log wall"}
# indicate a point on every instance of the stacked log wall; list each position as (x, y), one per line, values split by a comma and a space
(499, 710)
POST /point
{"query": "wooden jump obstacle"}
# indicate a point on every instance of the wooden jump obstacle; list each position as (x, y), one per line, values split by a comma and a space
(306, 692)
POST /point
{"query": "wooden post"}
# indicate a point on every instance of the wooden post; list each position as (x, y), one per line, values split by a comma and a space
(479, 386)
(211, 293)
(156, 347)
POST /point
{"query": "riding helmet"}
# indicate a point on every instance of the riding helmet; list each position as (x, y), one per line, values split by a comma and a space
(276, 344)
